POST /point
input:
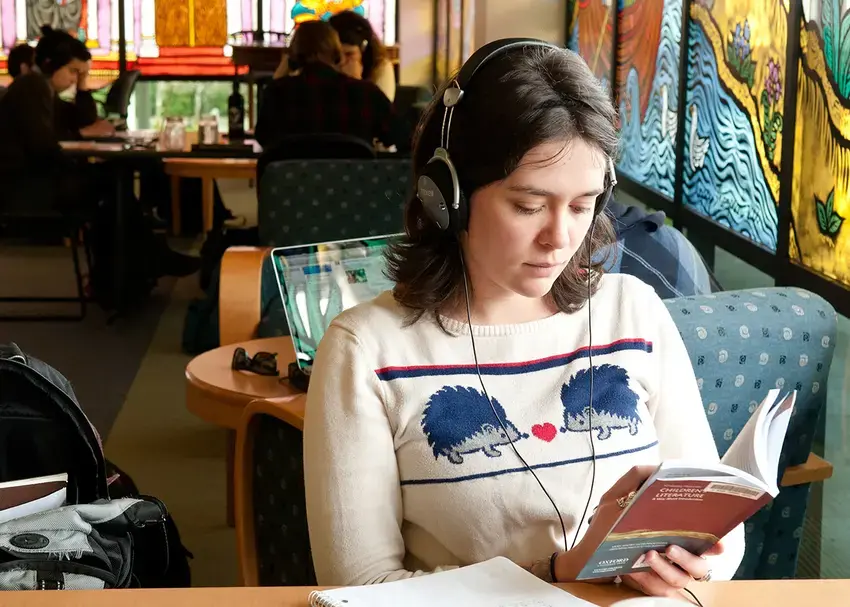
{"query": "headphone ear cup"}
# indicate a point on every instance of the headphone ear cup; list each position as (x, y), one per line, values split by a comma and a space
(435, 189)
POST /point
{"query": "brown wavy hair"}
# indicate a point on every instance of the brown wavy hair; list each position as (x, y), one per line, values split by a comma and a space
(356, 30)
(314, 42)
(517, 101)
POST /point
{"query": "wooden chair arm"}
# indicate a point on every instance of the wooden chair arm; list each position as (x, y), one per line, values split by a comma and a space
(815, 469)
(289, 409)
(240, 293)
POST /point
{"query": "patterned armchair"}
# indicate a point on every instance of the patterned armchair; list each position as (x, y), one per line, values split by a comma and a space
(741, 344)
(271, 522)
(304, 201)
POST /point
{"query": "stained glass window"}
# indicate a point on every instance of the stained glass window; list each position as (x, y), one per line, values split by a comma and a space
(648, 36)
(820, 200)
(592, 35)
(733, 120)
(173, 37)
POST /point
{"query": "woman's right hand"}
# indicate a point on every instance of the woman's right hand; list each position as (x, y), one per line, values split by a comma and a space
(569, 564)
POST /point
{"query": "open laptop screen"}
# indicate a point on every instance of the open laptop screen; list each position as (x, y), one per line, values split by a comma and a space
(318, 281)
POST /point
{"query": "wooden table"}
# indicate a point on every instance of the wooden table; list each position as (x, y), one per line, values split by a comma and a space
(207, 170)
(219, 395)
(773, 593)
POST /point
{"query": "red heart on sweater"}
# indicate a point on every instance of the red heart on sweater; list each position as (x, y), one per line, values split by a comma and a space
(545, 431)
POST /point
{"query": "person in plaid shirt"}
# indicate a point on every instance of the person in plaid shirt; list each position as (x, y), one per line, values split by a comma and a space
(658, 254)
(317, 98)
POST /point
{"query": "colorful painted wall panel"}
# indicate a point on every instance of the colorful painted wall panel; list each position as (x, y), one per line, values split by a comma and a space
(649, 35)
(592, 35)
(171, 37)
(820, 202)
(733, 120)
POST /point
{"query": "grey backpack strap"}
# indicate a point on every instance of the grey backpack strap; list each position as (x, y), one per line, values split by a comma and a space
(11, 351)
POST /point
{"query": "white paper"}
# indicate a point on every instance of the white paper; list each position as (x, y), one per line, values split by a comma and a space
(494, 583)
(42, 504)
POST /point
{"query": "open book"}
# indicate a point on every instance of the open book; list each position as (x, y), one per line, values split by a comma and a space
(31, 495)
(693, 505)
(494, 583)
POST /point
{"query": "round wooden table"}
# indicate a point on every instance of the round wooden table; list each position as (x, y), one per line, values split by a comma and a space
(218, 394)
(207, 170)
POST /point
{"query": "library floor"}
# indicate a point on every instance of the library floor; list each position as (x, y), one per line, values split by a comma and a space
(136, 383)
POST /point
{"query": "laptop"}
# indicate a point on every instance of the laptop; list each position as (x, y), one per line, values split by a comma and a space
(318, 281)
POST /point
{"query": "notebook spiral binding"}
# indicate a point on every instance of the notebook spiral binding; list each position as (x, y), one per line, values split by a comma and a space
(315, 599)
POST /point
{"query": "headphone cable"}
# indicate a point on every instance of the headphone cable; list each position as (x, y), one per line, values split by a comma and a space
(590, 364)
(567, 545)
(490, 401)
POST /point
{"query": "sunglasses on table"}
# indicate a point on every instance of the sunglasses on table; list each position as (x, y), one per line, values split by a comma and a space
(262, 363)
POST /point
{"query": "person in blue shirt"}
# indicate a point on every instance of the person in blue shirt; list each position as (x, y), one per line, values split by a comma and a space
(657, 253)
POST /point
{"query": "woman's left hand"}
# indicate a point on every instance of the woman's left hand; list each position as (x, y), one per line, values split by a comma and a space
(668, 577)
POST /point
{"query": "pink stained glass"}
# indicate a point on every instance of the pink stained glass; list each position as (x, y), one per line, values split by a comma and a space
(104, 23)
(137, 26)
(248, 14)
(7, 15)
(375, 14)
(276, 20)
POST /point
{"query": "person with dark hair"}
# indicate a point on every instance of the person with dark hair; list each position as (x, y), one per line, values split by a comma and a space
(657, 253)
(315, 97)
(363, 54)
(20, 61)
(430, 405)
(37, 175)
(33, 118)
(79, 118)
(73, 119)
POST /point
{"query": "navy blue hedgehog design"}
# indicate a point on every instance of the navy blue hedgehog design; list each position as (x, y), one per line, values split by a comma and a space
(614, 402)
(459, 420)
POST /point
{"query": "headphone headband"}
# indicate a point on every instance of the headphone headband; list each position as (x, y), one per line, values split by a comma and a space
(438, 186)
(487, 52)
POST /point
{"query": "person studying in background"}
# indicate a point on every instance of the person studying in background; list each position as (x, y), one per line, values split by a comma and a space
(363, 54)
(37, 175)
(73, 119)
(33, 119)
(21, 60)
(78, 118)
(315, 97)
(507, 396)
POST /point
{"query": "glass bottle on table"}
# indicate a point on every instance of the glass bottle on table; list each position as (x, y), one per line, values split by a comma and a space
(235, 114)
(208, 130)
(172, 137)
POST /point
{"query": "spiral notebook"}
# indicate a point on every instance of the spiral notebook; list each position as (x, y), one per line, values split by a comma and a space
(494, 583)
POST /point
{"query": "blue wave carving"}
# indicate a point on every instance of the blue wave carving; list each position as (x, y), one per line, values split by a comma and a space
(645, 155)
(730, 188)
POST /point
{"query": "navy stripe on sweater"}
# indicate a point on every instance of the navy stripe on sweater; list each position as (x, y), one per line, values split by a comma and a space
(492, 473)
(513, 368)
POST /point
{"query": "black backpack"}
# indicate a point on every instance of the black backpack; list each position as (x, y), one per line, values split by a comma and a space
(43, 431)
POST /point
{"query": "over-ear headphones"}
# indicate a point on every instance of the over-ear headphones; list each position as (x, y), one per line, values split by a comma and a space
(437, 186)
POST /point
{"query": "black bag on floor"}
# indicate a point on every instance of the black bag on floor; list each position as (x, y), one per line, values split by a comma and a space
(217, 242)
(142, 254)
(129, 541)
